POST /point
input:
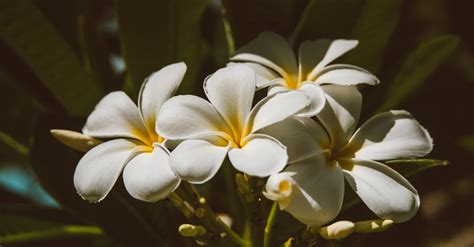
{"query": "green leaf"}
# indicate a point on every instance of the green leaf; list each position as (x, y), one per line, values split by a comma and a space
(410, 167)
(467, 142)
(19, 229)
(326, 19)
(93, 47)
(155, 33)
(248, 18)
(417, 67)
(373, 29)
(26, 31)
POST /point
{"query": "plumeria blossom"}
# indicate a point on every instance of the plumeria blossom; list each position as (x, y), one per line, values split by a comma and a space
(273, 60)
(132, 142)
(322, 154)
(227, 125)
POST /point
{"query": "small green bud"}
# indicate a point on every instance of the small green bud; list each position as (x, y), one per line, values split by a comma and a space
(188, 230)
(337, 230)
(372, 225)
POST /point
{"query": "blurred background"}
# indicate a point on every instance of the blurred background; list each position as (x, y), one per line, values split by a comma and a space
(59, 57)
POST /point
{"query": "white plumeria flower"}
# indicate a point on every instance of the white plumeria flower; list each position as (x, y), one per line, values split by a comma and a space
(322, 155)
(227, 125)
(134, 145)
(273, 60)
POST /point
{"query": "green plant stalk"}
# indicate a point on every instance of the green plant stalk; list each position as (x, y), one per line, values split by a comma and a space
(208, 218)
(67, 230)
(272, 216)
(11, 142)
(296, 33)
(228, 32)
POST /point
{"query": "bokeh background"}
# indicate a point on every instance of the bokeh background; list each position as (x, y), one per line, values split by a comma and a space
(59, 57)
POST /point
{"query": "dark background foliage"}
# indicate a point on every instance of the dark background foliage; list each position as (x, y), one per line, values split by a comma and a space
(59, 57)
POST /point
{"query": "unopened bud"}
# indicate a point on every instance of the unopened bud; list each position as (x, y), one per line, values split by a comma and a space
(188, 230)
(75, 140)
(372, 225)
(226, 219)
(337, 230)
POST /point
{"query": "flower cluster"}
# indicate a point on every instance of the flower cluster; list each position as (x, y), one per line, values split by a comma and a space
(302, 136)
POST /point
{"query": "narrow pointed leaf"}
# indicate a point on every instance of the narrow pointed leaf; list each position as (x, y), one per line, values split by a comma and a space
(248, 18)
(373, 29)
(417, 67)
(157, 33)
(25, 30)
(17, 229)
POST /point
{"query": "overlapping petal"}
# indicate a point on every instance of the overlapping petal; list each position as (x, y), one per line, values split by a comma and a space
(197, 161)
(231, 90)
(391, 135)
(148, 176)
(157, 88)
(346, 75)
(188, 116)
(261, 156)
(116, 116)
(341, 112)
(271, 50)
(275, 108)
(99, 168)
(317, 97)
(265, 77)
(303, 137)
(319, 191)
(336, 49)
(383, 190)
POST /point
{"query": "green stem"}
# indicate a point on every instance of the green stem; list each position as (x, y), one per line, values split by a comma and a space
(62, 231)
(209, 218)
(299, 26)
(270, 221)
(10, 141)
(228, 32)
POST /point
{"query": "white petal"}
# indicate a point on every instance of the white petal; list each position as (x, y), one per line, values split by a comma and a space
(279, 188)
(276, 89)
(341, 112)
(310, 53)
(99, 168)
(157, 88)
(261, 156)
(271, 50)
(188, 116)
(383, 190)
(265, 77)
(275, 108)
(391, 135)
(231, 92)
(197, 161)
(319, 192)
(115, 116)
(303, 137)
(346, 75)
(336, 49)
(317, 97)
(148, 176)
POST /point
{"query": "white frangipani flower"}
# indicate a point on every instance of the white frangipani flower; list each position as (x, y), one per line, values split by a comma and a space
(272, 58)
(134, 145)
(322, 155)
(227, 125)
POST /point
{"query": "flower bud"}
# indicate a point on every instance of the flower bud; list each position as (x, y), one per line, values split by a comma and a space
(188, 230)
(279, 188)
(75, 140)
(337, 230)
(372, 225)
